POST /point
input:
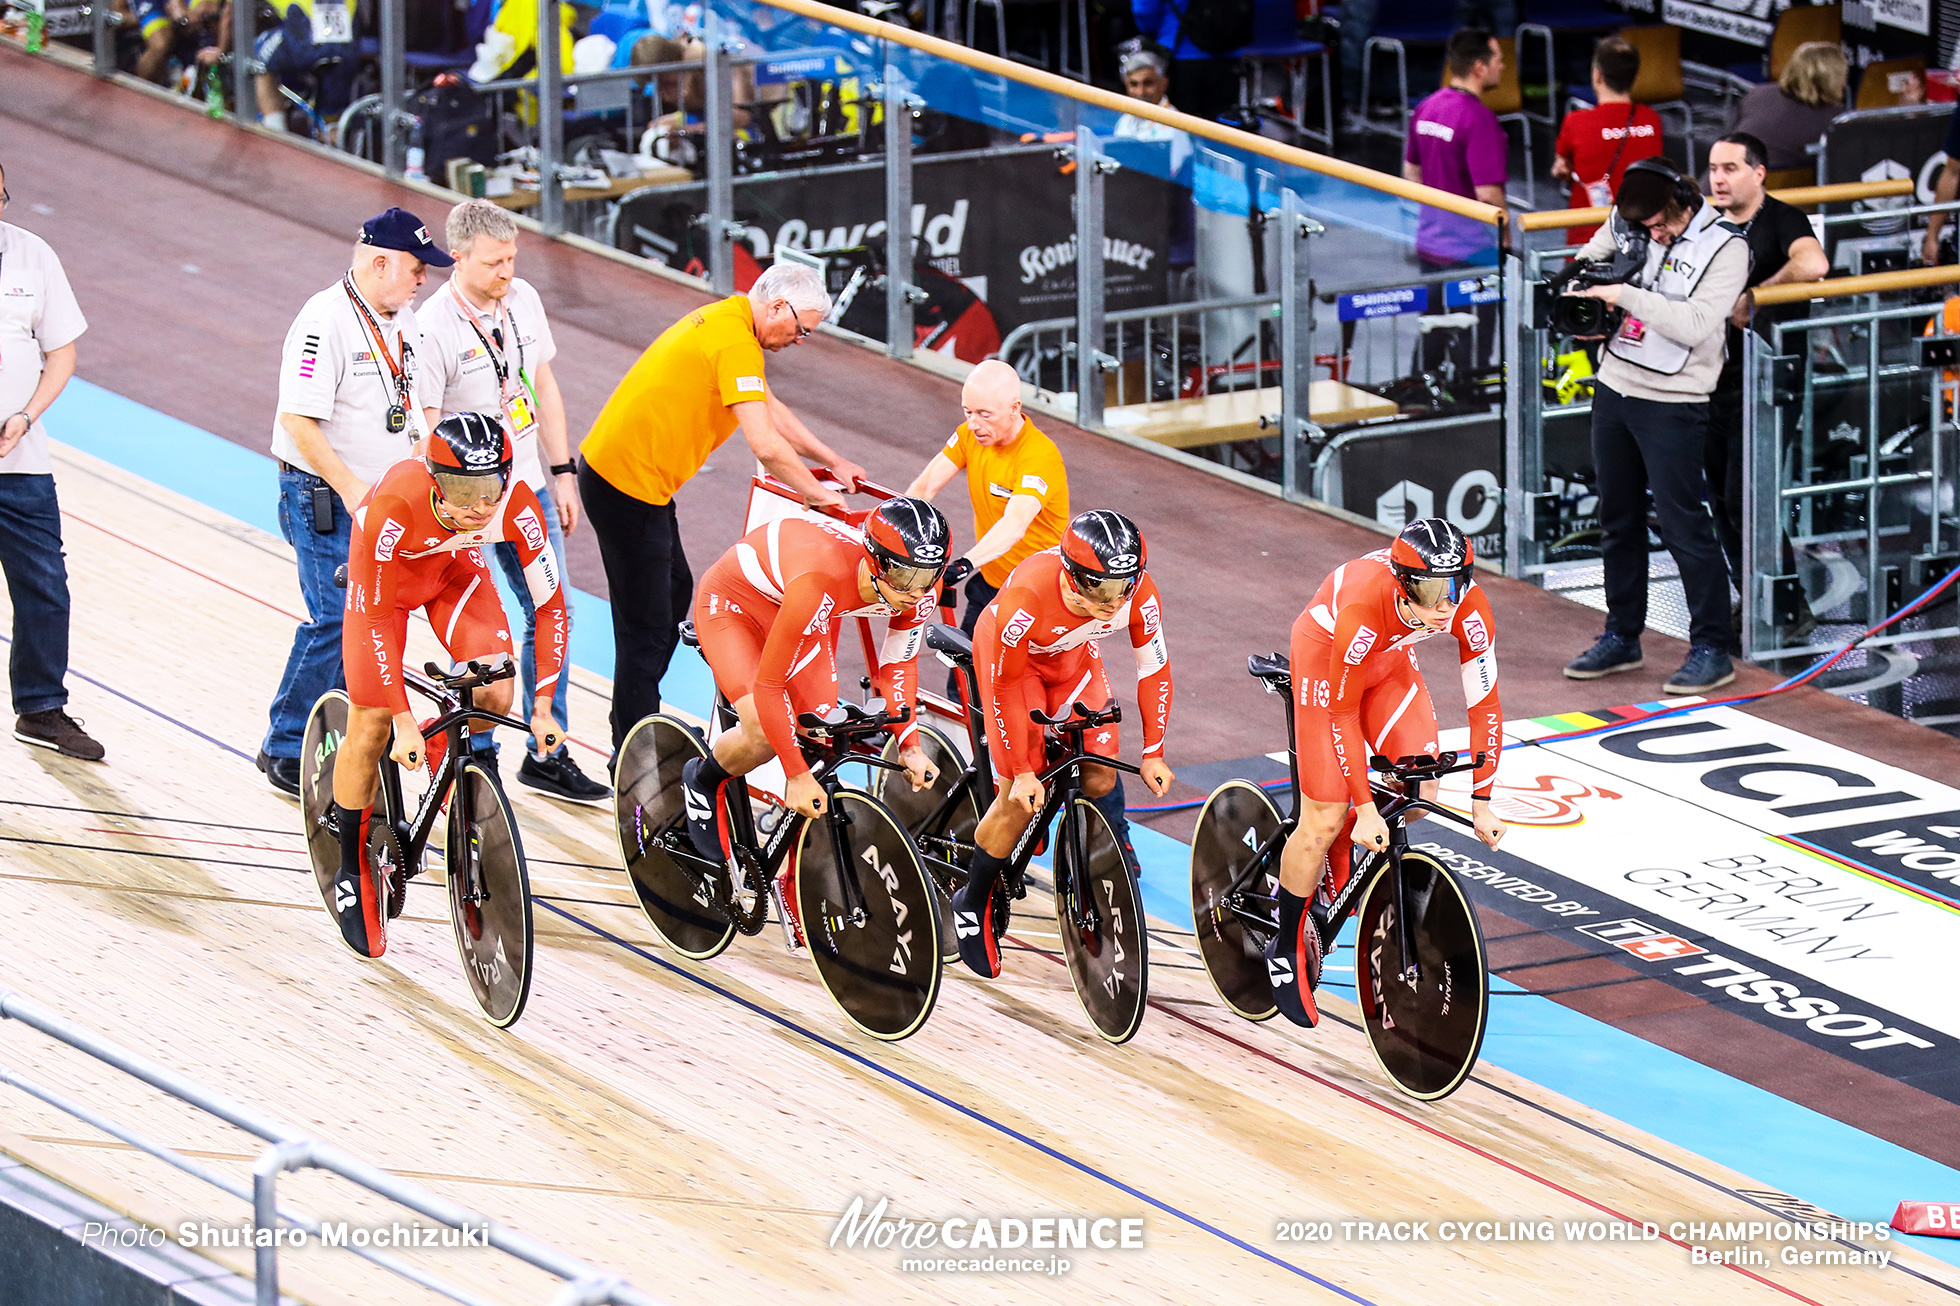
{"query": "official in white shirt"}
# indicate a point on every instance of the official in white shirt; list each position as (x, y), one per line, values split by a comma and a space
(349, 409)
(487, 348)
(39, 324)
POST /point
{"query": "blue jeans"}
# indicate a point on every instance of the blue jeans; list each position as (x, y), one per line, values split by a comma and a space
(37, 583)
(313, 667)
(513, 572)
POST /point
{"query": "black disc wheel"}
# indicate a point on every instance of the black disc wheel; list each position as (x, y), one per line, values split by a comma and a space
(1237, 821)
(1099, 912)
(649, 808)
(489, 895)
(326, 727)
(1425, 1030)
(868, 917)
(920, 811)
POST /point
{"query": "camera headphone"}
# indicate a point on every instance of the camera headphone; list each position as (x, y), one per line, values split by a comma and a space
(1686, 193)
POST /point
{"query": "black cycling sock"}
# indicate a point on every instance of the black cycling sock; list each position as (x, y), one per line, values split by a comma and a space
(1291, 907)
(985, 871)
(353, 838)
(712, 774)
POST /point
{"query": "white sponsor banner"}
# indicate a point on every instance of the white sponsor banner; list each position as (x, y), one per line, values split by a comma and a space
(1678, 819)
(1717, 22)
(1911, 15)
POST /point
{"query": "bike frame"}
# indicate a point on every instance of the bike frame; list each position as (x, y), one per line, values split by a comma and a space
(457, 711)
(764, 860)
(1394, 806)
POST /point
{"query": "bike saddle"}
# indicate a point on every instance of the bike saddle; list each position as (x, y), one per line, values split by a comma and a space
(952, 641)
(470, 676)
(1274, 670)
(688, 637)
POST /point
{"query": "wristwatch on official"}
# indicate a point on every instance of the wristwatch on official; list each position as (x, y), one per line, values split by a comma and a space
(564, 469)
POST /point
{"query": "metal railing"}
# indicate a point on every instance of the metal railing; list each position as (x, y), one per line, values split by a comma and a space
(290, 1150)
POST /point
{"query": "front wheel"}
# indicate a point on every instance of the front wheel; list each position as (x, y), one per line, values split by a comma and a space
(1425, 1033)
(648, 808)
(1100, 915)
(879, 961)
(1238, 820)
(489, 895)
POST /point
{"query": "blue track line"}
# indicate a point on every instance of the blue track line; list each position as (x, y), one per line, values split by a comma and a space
(137, 702)
(949, 1103)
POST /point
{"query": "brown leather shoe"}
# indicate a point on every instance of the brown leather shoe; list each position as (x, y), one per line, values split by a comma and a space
(57, 730)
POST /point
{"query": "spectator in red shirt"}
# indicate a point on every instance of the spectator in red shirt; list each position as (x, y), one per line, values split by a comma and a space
(1595, 146)
(1456, 144)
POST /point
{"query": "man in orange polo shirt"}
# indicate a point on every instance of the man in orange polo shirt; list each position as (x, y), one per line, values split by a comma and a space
(684, 396)
(1014, 476)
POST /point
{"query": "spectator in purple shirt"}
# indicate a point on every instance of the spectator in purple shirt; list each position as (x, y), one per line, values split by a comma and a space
(1456, 144)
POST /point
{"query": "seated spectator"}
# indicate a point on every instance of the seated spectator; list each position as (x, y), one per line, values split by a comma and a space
(1595, 145)
(1145, 79)
(1791, 114)
(674, 136)
(1202, 84)
(312, 39)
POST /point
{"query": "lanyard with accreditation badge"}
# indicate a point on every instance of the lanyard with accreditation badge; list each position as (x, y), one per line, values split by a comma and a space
(397, 411)
(520, 401)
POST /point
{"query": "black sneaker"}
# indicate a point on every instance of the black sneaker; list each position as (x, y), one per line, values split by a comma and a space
(1293, 967)
(704, 824)
(973, 925)
(1707, 668)
(1609, 653)
(282, 772)
(560, 777)
(55, 729)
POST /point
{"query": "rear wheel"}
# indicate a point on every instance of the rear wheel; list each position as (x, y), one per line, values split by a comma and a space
(1425, 1035)
(489, 895)
(880, 964)
(1237, 821)
(326, 727)
(1100, 915)
(915, 808)
(648, 806)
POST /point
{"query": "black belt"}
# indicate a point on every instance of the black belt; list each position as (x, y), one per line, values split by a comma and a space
(285, 466)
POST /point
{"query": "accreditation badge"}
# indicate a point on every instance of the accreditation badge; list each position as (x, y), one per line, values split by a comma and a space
(521, 407)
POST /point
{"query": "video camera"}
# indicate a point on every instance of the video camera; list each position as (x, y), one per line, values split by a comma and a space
(1555, 305)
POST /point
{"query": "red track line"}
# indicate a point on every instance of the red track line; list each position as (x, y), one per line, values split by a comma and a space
(1432, 1130)
(185, 565)
(177, 562)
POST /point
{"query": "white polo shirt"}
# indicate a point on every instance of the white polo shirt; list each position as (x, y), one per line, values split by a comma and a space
(330, 371)
(38, 314)
(457, 362)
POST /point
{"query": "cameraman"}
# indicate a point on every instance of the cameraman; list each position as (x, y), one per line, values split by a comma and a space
(1650, 415)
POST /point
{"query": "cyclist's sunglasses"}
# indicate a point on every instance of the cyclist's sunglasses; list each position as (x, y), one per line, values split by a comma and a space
(1434, 591)
(911, 580)
(1112, 589)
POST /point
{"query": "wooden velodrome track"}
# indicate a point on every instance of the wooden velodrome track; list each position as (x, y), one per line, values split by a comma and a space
(700, 1128)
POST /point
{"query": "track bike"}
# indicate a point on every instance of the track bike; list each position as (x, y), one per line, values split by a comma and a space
(1098, 905)
(864, 901)
(483, 858)
(1421, 975)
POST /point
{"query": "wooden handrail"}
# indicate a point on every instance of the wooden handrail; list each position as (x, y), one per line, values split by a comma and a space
(1325, 165)
(1798, 292)
(1838, 194)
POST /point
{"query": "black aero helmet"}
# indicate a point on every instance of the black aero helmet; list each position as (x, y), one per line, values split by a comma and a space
(908, 543)
(469, 455)
(1104, 555)
(1432, 559)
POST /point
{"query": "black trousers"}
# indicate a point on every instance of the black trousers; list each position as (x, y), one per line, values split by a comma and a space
(651, 586)
(1725, 484)
(978, 595)
(1205, 88)
(1639, 444)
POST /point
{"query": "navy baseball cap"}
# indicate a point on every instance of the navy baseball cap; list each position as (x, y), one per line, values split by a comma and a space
(399, 229)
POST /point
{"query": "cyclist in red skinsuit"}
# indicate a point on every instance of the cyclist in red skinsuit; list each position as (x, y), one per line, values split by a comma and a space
(417, 543)
(768, 615)
(1359, 693)
(1035, 648)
